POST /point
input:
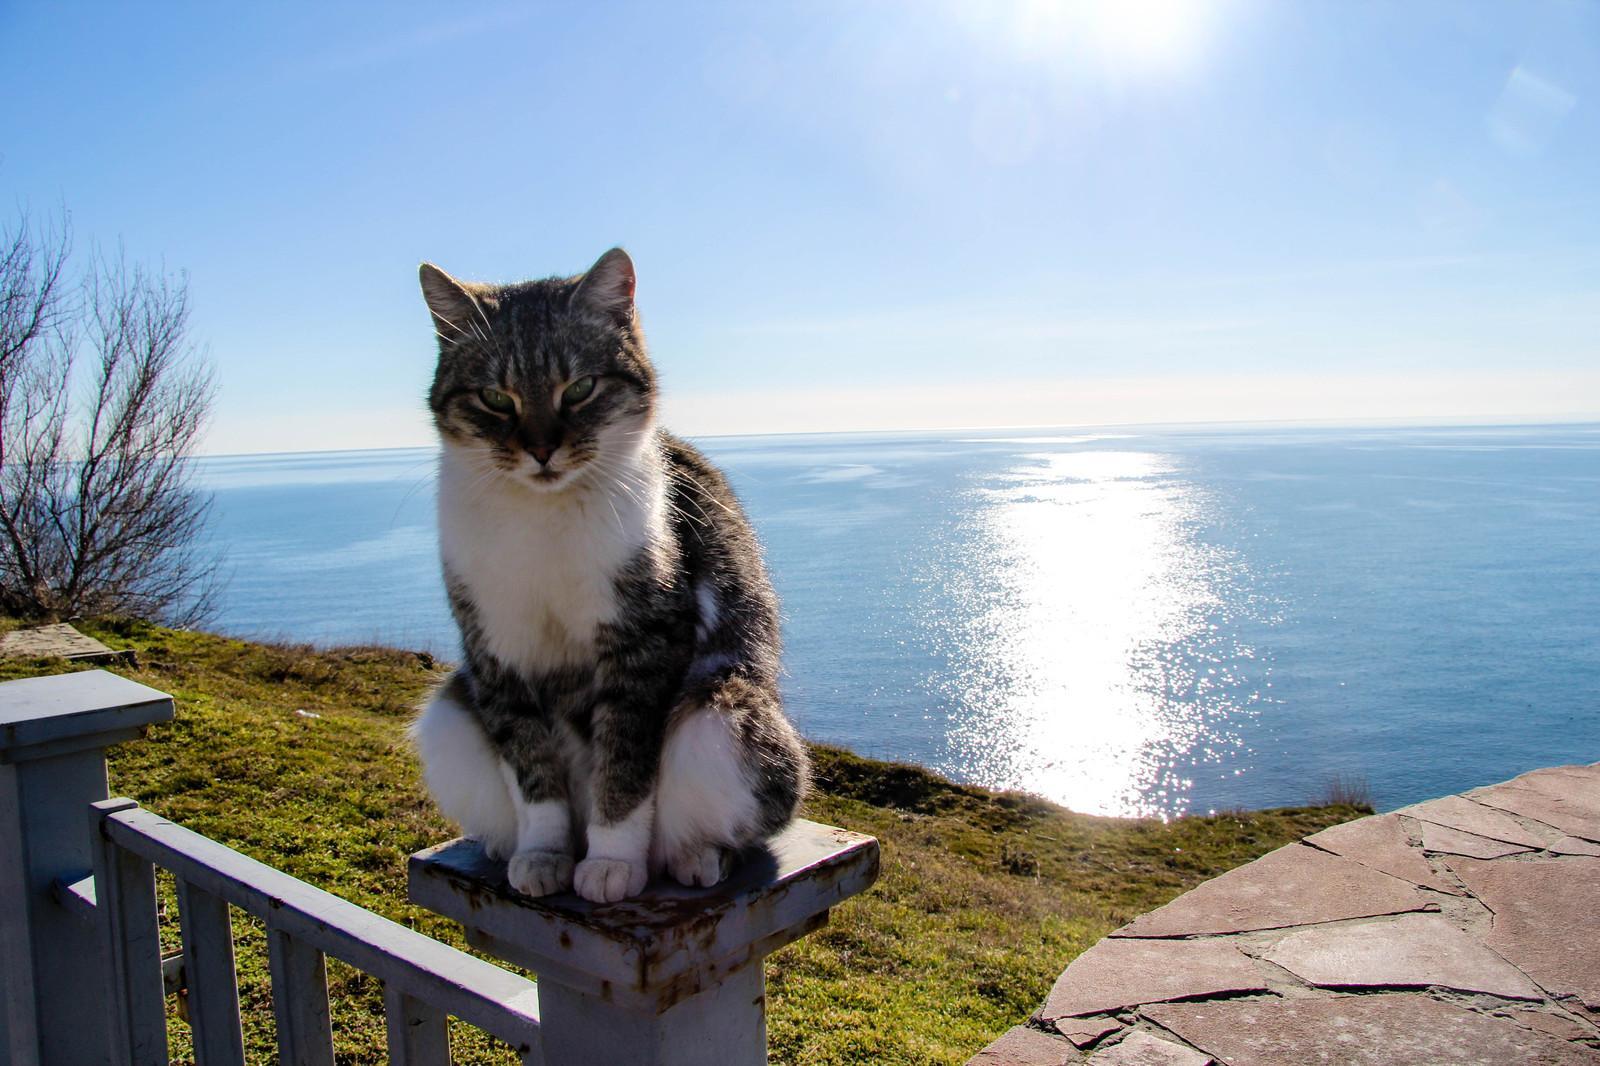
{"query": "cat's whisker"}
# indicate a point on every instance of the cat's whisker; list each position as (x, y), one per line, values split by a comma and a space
(478, 307)
(636, 483)
(459, 331)
(620, 479)
(412, 491)
(707, 493)
(482, 476)
(616, 514)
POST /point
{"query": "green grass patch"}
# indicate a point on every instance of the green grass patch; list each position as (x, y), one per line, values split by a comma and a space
(984, 897)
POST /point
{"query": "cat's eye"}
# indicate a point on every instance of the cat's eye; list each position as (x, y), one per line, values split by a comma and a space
(578, 391)
(497, 401)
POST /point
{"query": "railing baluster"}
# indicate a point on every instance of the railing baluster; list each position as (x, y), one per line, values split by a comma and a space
(299, 1001)
(125, 892)
(419, 1035)
(305, 923)
(213, 986)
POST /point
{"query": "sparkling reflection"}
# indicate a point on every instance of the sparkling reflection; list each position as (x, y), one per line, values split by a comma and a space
(1079, 633)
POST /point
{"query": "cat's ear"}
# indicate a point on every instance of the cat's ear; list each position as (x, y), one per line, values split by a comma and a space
(456, 305)
(607, 287)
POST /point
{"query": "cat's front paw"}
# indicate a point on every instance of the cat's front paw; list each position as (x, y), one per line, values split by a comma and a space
(608, 880)
(540, 873)
(700, 867)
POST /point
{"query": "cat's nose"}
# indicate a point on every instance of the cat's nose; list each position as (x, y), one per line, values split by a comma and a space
(542, 452)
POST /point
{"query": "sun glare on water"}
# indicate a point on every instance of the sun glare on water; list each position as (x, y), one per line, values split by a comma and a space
(1089, 655)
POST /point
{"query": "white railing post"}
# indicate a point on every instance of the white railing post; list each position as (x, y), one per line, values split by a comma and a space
(673, 978)
(128, 920)
(54, 969)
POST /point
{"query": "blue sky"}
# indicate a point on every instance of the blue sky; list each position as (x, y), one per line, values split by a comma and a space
(855, 216)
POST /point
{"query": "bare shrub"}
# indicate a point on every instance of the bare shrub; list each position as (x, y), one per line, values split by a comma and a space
(1347, 790)
(97, 512)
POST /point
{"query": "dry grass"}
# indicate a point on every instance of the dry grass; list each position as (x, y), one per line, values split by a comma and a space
(1347, 790)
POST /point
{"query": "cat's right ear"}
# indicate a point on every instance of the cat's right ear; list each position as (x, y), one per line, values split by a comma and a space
(454, 304)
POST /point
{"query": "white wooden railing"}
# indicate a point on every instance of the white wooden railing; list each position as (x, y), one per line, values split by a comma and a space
(424, 981)
(671, 978)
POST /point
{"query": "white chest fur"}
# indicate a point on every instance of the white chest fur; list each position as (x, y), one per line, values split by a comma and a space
(540, 566)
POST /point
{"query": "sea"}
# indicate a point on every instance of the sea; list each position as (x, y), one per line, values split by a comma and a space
(1134, 622)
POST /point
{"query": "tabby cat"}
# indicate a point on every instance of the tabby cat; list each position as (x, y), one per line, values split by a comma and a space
(617, 713)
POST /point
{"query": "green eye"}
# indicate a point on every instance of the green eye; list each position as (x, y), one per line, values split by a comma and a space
(495, 400)
(578, 391)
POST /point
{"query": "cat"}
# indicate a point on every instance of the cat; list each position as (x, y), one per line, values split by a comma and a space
(617, 713)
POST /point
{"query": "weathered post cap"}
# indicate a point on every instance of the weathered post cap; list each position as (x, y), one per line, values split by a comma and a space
(42, 716)
(667, 944)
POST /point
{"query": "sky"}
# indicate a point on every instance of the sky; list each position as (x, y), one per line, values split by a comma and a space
(950, 213)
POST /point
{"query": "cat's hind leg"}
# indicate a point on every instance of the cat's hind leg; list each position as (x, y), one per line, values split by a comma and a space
(732, 773)
(705, 808)
(462, 770)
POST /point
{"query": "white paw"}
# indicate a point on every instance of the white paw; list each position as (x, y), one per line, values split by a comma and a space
(700, 867)
(540, 873)
(608, 880)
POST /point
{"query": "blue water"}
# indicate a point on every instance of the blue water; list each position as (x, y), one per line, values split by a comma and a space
(1125, 622)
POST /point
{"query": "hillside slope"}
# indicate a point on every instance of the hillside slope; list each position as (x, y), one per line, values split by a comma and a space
(298, 757)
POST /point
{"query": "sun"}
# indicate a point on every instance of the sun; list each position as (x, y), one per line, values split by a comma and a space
(1154, 30)
(1119, 33)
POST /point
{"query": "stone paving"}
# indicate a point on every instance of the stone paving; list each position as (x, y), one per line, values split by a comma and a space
(58, 641)
(1457, 932)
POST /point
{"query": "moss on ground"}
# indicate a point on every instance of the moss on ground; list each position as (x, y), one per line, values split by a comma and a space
(984, 897)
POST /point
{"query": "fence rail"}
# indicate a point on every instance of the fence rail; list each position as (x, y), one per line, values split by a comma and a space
(425, 981)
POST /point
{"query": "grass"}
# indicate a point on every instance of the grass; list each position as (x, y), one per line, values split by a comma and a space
(984, 897)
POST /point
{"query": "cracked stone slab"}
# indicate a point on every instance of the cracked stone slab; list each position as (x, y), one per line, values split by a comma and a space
(1295, 885)
(1574, 846)
(1449, 841)
(1085, 1031)
(1411, 951)
(1022, 1046)
(1382, 842)
(1546, 919)
(1389, 1029)
(1139, 1048)
(1455, 812)
(1125, 973)
(1557, 1025)
(1567, 797)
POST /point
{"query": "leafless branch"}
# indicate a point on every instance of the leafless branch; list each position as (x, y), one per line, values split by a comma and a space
(98, 514)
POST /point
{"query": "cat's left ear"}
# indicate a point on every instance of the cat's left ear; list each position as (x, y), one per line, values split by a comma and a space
(608, 287)
(455, 304)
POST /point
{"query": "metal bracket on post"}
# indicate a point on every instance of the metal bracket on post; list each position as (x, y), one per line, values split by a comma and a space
(53, 735)
(672, 977)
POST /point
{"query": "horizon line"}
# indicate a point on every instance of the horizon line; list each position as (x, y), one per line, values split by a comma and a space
(1408, 422)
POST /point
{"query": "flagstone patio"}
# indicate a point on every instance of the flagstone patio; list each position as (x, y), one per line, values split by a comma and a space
(1457, 932)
